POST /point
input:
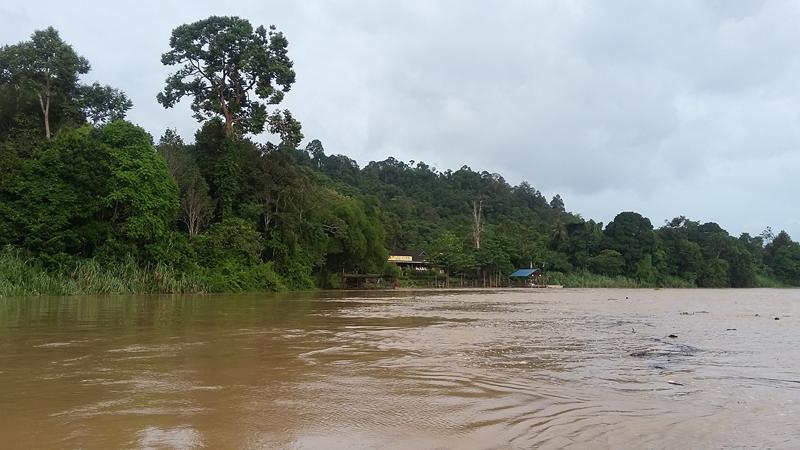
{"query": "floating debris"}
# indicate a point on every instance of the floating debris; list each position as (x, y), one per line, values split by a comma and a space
(675, 383)
(673, 336)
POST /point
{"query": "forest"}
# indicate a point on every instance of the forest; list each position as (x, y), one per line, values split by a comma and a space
(91, 203)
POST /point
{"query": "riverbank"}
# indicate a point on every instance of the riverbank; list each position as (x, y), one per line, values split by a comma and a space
(21, 276)
(25, 276)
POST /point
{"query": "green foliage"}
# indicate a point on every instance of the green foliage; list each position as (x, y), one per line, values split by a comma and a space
(25, 276)
(229, 70)
(607, 262)
(714, 273)
(103, 104)
(231, 276)
(47, 69)
(91, 192)
(590, 280)
(142, 199)
(54, 204)
(449, 253)
(765, 281)
(196, 206)
(92, 207)
(782, 257)
(632, 236)
(645, 272)
(40, 78)
(391, 271)
(355, 238)
(232, 242)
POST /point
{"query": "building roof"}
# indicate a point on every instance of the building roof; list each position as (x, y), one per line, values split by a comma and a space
(523, 273)
(406, 256)
(398, 252)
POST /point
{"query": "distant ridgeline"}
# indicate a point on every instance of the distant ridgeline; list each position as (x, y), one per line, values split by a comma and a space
(88, 203)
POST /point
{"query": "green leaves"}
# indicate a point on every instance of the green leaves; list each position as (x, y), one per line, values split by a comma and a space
(142, 198)
(103, 104)
(89, 192)
(632, 236)
(782, 256)
(44, 73)
(229, 70)
(48, 68)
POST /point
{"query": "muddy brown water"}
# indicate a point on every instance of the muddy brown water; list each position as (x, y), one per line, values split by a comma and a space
(506, 369)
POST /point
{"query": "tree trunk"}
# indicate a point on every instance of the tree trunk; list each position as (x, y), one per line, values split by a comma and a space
(44, 103)
(228, 123)
(477, 207)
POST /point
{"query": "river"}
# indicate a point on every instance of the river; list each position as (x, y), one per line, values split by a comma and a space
(540, 368)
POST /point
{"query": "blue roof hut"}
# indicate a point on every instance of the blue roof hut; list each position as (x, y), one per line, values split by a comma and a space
(528, 278)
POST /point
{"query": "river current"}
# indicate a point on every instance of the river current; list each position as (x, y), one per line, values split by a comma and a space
(543, 368)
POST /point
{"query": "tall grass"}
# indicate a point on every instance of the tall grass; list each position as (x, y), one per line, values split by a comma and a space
(592, 280)
(765, 281)
(589, 280)
(23, 276)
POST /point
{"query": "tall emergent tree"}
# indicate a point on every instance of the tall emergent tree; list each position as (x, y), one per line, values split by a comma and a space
(40, 78)
(45, 66)
(230, 70)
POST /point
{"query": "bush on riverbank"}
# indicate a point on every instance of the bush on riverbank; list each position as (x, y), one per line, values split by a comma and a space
(592, 280)
(21, 275)
(764, 281)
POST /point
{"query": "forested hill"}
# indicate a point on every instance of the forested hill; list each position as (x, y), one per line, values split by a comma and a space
(90, 203)
(435, 211)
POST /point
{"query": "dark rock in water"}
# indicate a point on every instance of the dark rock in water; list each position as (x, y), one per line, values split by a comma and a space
(758, 315)
(730, 329)
(673, 336)
(687, 350)
(777, 318)
(665, 350)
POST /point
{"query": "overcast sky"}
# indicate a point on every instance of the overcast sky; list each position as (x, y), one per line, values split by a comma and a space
(666, 108)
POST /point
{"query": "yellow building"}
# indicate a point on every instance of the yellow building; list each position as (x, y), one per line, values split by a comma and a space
(409, 260)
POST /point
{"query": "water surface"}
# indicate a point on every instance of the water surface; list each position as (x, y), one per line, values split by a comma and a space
(507, 369)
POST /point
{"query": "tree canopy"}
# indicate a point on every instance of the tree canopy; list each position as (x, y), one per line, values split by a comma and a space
(42, 77)
(230, 70)
(228, 212)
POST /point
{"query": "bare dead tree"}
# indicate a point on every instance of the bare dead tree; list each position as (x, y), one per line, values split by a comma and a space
(195, 205)
(477, 225)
